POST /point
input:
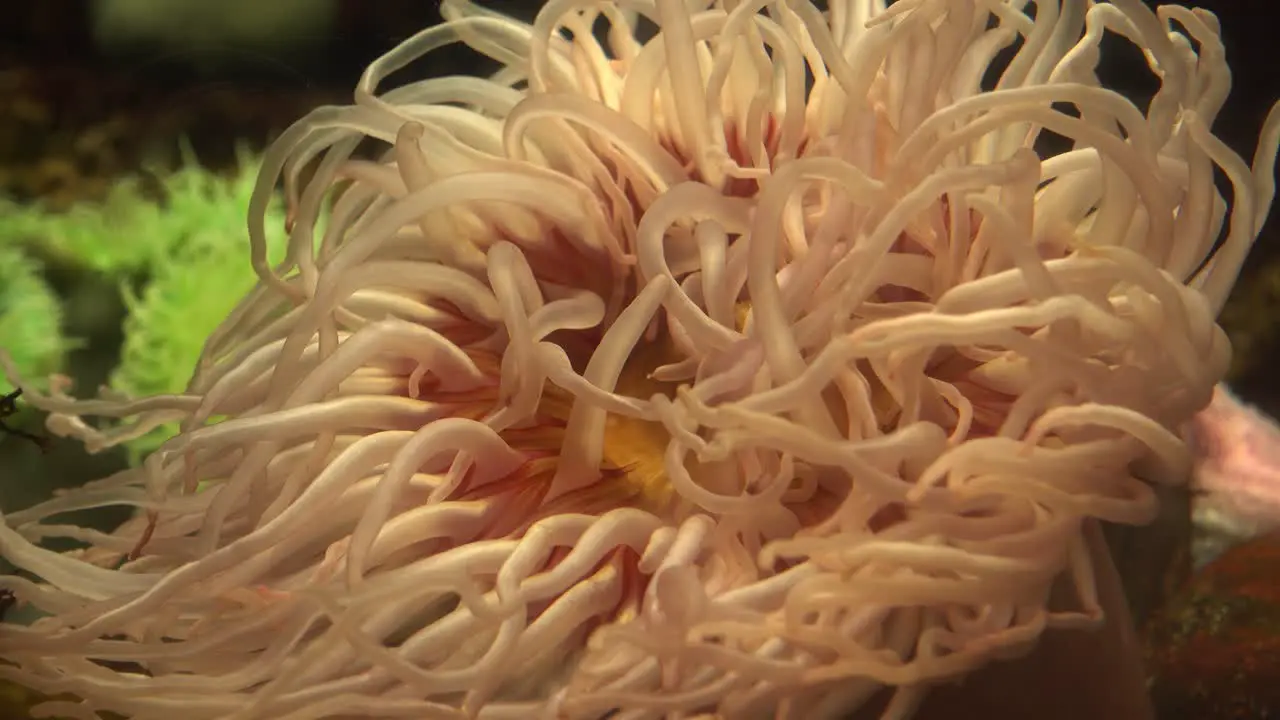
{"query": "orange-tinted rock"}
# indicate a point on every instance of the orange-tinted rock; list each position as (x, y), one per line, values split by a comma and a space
(1214, 652)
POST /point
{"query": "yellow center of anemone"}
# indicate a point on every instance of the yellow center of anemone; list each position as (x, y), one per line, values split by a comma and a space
(633, 470)
(636, 447)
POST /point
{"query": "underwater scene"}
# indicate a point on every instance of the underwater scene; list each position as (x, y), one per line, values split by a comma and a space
(642, 359)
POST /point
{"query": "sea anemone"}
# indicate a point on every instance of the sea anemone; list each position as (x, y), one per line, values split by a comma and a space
(709, 357)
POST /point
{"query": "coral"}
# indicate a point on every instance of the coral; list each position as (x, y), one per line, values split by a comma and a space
(1236, 476)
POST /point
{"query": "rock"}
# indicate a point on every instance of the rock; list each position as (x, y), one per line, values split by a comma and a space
(1214, 652)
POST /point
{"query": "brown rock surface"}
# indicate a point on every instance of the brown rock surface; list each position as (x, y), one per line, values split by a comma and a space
(1214, 652)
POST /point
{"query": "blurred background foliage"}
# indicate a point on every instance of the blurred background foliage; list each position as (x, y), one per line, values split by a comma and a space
(129, 131)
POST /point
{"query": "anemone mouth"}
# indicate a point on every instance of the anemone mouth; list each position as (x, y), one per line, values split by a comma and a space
(744, 369)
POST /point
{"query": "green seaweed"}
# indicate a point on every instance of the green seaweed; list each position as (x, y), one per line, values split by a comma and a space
(178, 250)
(124, 233)
(30, 317)
(196, 282)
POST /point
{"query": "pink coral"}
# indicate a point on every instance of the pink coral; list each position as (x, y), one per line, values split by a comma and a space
(1237, 473)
